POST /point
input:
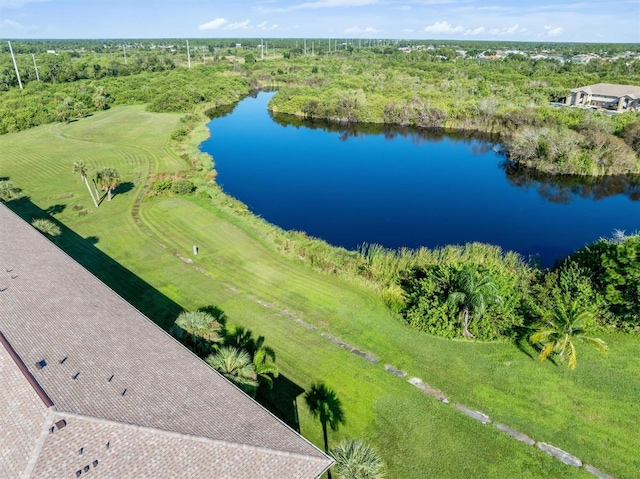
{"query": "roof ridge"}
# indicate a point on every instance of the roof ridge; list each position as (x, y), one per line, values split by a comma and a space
(205, 439)
(37, 448)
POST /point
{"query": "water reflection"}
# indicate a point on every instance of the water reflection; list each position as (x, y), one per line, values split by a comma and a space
(479, 143)
(565, 188)
(559, 189)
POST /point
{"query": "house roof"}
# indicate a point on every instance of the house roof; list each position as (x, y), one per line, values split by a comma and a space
(115, 377)
(610, 89)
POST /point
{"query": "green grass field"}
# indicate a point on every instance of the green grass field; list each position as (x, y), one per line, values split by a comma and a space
(591, 412)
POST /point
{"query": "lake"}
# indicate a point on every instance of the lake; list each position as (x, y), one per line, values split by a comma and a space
(401, 187)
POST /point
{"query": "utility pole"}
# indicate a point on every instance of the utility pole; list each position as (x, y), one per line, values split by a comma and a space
(35, 66)
(203, 59)
(188, 55)
(262, 49)
(266, 44)
(313, 51)
(15, 65)
(305, 47)
(329, 45)
(124, 51)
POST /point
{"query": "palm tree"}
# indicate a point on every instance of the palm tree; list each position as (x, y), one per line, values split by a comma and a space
(108, 179)
(8, 190)
(80, 167)
(326, 406)
(48, 227)
(560, 329)
(265, 367)
(197, 330)
(235, 364)
(474, 291)
(356, 460)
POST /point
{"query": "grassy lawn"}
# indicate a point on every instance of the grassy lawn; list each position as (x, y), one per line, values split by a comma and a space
(591, 412)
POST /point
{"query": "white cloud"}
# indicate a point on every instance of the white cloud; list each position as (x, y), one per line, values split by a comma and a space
(213, 24)
(362, 30)
(408, 30)
(11, 23)
(553, 31)
(511, 30)
(475, 31)
(506, 30)
(238, 25)
(265, 26)
(443, 27)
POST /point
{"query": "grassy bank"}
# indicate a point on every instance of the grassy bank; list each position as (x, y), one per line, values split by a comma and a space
(589, 412)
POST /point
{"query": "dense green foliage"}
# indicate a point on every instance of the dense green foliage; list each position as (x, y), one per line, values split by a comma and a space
(179, 90)
(614, 269)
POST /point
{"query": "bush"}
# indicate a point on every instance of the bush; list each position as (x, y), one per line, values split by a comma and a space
(182, 187)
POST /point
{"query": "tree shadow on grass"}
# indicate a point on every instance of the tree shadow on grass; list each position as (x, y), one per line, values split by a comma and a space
(122, 188)
(282, 400)
(151, 302)
(55, 209)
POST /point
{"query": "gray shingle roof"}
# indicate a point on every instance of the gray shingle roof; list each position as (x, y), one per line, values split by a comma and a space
(610, 89)
(107, 361)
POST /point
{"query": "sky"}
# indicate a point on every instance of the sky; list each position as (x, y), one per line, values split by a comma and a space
(606, 21)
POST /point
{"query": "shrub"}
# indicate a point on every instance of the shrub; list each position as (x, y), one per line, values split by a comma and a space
(182, 187)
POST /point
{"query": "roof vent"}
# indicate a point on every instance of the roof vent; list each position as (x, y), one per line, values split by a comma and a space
(81, 450)
(75, 376)
(78, 472)
(61, 423)
(41, 364)
(95, 463)
(86, 468)
(124, 392)
(14, 277)
(63, 360)
(51, 429)
(107, 444)
(111, 377)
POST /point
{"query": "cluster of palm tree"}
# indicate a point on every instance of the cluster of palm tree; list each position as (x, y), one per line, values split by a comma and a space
(240, 357)
(107, 179)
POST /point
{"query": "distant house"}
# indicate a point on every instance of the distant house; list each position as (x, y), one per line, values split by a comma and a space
(92, 388)
(606, 96)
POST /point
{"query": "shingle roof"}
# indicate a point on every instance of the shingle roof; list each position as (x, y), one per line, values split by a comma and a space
(107, 361)
(610, 89)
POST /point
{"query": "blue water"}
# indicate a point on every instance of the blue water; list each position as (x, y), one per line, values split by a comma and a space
(405, 190)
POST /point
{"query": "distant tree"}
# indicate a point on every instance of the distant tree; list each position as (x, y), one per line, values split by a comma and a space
(561, 328)
(356, 460)
(8, 190)
(249, 59)
(324, 404)
(47, 227)
(235, 364)
(108, 179)
(474, 290)
(81, 168)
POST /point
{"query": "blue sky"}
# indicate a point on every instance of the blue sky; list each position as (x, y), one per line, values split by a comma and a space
(524, 20)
